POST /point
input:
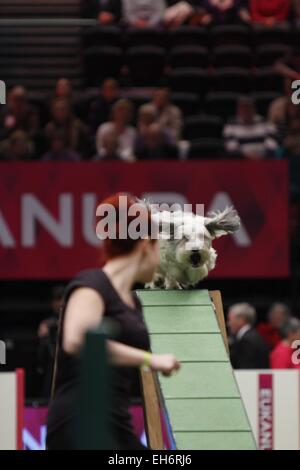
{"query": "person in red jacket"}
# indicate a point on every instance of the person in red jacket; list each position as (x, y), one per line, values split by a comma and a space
(270, 12)
(286, 355)
(278, 314)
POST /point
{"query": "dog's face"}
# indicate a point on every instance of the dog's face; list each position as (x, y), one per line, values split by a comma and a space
(187, 255)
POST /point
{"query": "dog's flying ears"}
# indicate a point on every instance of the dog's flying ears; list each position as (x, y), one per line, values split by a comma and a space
(221, 223)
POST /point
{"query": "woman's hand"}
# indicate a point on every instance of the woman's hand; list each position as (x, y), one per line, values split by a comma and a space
(164, 363)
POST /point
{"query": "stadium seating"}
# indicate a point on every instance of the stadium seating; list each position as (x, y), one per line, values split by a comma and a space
(266, 56)
(189, 56)
(206, 148)
(263, 101)
(221, 103)
(195, 80)
(278, 34)
(203, 126)
(187, 102)
(101, 63)
(232, 56)
(232, 79)
(146, 65)
(230, 35)
(102, 36)
(266, 79)
(189, 36)
(145, 37)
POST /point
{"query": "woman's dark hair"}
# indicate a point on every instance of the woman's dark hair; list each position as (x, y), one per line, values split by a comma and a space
(118, 246)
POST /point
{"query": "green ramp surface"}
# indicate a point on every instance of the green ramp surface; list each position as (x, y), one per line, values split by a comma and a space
(202, 401)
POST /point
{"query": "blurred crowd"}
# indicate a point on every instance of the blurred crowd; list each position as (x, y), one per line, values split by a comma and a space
(172, 13)
(113, 129)
(269, 344)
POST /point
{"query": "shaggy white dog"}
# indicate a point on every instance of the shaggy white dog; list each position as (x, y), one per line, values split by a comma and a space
(187, 255)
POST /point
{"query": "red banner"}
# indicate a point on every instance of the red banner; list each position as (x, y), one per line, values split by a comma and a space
(47, 212)
(265, 411)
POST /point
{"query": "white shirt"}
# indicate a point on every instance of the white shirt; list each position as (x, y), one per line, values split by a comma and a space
(242, 331)
(126, 141)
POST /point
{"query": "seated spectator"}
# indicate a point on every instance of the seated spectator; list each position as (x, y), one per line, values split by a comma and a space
(291, 143)
(18, 114)
(155, 146)
(289, 66)
(278, 109)
(77, 137)
(59, 151)
(122, 113)
(224, 11)
(282, 356)
(296, 11)
(249, 135)
(145, 13)
(147, 115)
(169, 116)
(246, 346)
(63, 89)
(100, 108)
(133, 13)
(109, 11)
(17, 147)
(278, 314)
(270, 12)
(110, 146)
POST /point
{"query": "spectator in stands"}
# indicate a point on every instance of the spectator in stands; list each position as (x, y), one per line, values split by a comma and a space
(133, 13)
(247, 348)
(110, 146)
(278, 314)
(278, 109)
(100, 108)
(270, 12)
(296, 11)
(155, 146)
(18, 114)
(224, 11)
(145, 13)
(249, 135)
(282, 357)
(63, 89)
(47, 333)
(122, 113)
(291, 143)
(59, 150)
(147, 115)
(17, 147)
(169, 116)
(77, 137)
(109, 11)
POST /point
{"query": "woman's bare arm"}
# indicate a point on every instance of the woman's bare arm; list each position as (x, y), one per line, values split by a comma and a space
(84, 313)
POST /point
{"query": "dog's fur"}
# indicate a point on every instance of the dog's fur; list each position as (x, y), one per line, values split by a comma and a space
(183, 265)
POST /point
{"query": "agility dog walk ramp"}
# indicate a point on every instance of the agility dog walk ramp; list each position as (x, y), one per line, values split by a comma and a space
(202, 403)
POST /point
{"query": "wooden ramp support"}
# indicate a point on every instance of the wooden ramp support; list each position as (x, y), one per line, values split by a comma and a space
(202, 403)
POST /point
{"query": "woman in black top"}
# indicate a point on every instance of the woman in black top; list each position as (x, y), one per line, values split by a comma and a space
(106, 293)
